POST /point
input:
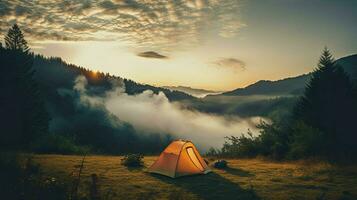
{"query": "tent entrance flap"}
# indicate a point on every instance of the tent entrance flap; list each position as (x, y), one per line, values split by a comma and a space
(194, 158)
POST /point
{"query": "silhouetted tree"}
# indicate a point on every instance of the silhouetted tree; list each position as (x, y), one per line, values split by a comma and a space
(14, 40)
(327, 105)
(24, 117)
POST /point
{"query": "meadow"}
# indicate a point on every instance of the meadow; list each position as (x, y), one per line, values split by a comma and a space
(243, 179)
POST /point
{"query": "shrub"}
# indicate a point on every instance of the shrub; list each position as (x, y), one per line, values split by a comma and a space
(306, 142)
(133, 160)
(220, 164)
(242, 146)
(58, 144)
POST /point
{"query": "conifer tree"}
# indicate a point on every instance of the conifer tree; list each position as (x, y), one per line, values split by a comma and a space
(23, 113)
(14, 40)
(327, 105)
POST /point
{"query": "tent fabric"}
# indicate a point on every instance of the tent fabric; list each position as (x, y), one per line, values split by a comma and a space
(180, 158)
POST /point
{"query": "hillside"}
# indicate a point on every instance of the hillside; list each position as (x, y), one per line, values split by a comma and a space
(91, 126)
(294, 85)
(54, 73)
(244, 179)
(290, 86)
(200, 93)
(349, 64)
(272, 99)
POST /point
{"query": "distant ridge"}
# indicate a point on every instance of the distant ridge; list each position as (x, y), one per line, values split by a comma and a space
(53, 73)
(293, 85)
(192, 91)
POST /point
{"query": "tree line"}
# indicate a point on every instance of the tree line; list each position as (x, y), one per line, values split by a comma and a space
(319, 125)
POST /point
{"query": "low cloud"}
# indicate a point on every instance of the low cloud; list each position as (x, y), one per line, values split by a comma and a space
(149, 112)
(230, 63)
(151, 54)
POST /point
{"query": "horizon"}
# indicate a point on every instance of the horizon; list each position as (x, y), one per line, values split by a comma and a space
(200, 44)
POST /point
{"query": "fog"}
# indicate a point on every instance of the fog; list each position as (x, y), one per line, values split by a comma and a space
(149, 112)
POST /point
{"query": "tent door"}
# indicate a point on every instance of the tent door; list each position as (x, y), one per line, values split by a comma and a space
(194, 159)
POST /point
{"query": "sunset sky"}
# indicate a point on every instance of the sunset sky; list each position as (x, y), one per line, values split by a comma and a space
(210, 44)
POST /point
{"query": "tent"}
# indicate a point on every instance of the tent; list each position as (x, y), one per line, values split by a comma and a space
(180, 158)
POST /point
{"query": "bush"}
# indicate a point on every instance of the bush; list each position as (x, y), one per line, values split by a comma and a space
(220, 164)
(273, 142)
(58, 144)
(242, 146)
(133, 160)
(306, 142)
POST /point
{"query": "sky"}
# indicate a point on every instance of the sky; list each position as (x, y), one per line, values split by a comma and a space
(209, 44)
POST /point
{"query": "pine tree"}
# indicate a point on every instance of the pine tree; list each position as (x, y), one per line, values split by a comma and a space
(15, 40)
(327, 105)
(23, 113)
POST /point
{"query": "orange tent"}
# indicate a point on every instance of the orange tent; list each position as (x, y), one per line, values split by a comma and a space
(180, 158)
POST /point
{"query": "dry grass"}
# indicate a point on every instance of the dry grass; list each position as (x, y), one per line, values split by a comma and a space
(244, 179)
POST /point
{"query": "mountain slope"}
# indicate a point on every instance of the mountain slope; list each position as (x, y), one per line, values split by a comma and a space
(286, 86)
(200, 93)
(56, 73)
(290, 86)
(349, 64)
(89, 125)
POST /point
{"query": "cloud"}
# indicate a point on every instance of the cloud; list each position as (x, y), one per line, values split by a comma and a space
(109, 7)
(231, 63)
(151, 54)
(149, 112)
(160, 25)
(20, 10)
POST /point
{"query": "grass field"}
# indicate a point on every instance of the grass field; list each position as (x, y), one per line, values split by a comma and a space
(244, 179)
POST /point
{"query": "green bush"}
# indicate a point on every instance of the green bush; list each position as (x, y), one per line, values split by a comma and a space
(58, 144)
(133, 160)
(242, 146)
(306, 142)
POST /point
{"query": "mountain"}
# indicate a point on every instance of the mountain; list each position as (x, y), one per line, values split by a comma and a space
(199, 93)
(349, 64)
(271, 99)
(290, 86)
(54, 73)
(91, 126)
(294, 85)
